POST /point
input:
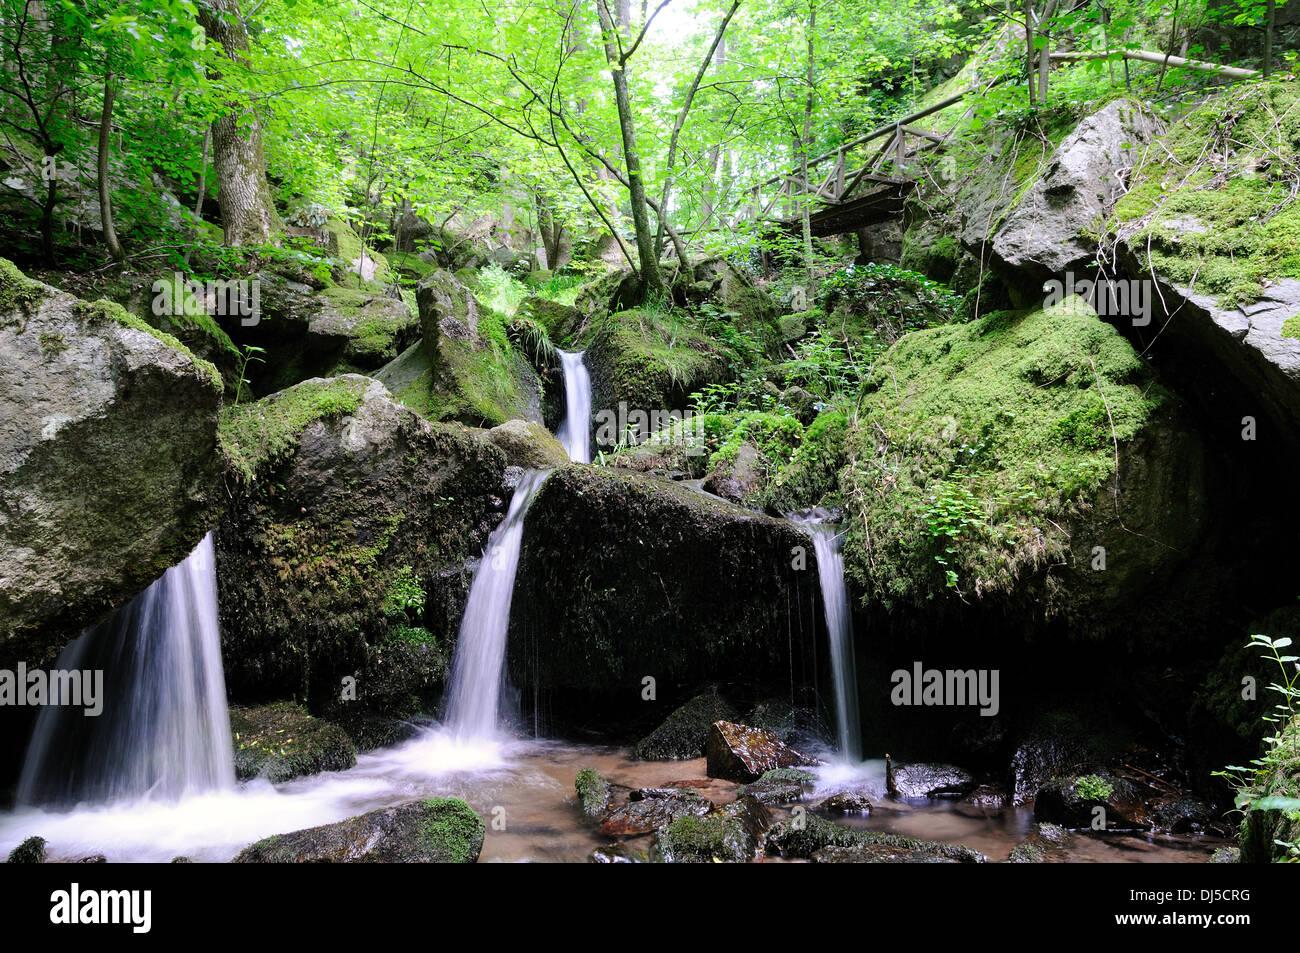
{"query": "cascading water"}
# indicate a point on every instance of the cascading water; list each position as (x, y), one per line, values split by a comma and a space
(575, 431)
(478, 670)
(839, 628)
(164, 731)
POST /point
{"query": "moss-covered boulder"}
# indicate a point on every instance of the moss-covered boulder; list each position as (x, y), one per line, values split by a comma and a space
(809, 834)
(728, 834)
(343, 558)
(684, 733)
(1209, 216)
(1045, 844)
(527, 444)
(281, 741)
(719, 282)
(465, 367)
(365, 329)
(108, 467)
(1027, 458)
(648, 362)
(629, 577)
(593, 792)
(563, 323)
(434, 831)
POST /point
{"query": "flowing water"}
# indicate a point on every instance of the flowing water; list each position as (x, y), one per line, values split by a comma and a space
(478, 669)
(164, 732)
(575, 431)
(839, 629)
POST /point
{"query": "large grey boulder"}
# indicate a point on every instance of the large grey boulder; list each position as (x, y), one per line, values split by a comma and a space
(344, 552)
(108, 466)
(1054, 226)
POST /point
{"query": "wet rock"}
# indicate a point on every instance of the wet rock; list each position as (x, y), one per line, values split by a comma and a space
(845, 802)
(738, 478)
(650, 814)
(108, 463)
(343, 554)
(93, 859)
(593, 792)
(438, 831)
(281, 741)
(1185, 815)
(528, 444)
(30, 851)
(617, 854)
(1263, 827)
(879, 854)
(988, 796)
(1057, 743)
(685, 732)
(929, 780)
(779, 786)
(813, 833)
(1046, 844)
(730, 834)
(362, 329)
(741, 753)
(1226, 855)
(180, 859)
(1075, 802)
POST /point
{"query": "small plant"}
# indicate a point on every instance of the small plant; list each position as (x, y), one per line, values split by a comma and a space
(1091, 787)
(248, 354)
(404, 593)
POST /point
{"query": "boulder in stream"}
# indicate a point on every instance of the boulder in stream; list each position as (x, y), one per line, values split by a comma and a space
(729, 834)
(433, 831)
(740, 753)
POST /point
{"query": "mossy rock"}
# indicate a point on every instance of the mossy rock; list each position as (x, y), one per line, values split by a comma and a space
(728, 834)
(683, 734)
(30, 851)
(1262, 828)
(593, 792)
(433, 831)
(527, 444)
(812, 833)
(281, 741)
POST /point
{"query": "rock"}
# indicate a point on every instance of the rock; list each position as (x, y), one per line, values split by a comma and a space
(988, 796)
(802, 404)
(344, 553)
(685, 732)
(1262, 828)
(30, 851)
(754, 311)
(1046, 844)
(793, 327)
(1052, 228)
(1074, 802)
(691, 590)
(108, 467)
(561, 321)
(930, 780)
(879, 854)
(613, 291)
(846, 802)
(281, 741)
(650, 814)
(528, 445)
(1186, 815)
(1056, 743)
(617, 854)
(737, 478)
(365, 329)
(593, 792)
(741, 753)
(1226, 855)
(730, 834)
(434, 831)
(93, 859)
(774, 787)
(814, 833)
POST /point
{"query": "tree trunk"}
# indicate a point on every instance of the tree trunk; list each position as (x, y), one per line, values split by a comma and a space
(248, 215)
(651, 280)
(105, 199)
(805, 141)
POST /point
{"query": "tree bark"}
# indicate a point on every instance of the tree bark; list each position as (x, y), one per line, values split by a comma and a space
(105, 198)
(248, 215)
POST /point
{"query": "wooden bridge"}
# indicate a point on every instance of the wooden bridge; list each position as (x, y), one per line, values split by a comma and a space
(851, 198)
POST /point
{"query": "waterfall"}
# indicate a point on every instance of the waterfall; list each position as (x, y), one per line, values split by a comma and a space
(839, 628)
(164, 730)
(575, 431)
(478, 669)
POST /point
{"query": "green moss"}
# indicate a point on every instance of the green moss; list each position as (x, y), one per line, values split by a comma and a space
(1213, 204)
(452, 831)
(103, 311)
(975, 441)
(811, 477)
(1092, 787)
(17, 292)
(258, 435)
(1261, 829)
(813, 832)
(1291, 327)
(350, 248)
(281, 741)
(593, 792)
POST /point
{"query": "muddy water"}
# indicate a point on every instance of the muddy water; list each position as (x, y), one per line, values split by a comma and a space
(523, 790)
